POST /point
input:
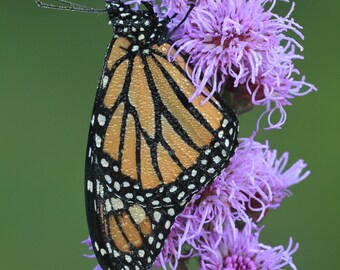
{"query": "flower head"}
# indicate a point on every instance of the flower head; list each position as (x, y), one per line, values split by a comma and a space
(236, 249)
(244, 42)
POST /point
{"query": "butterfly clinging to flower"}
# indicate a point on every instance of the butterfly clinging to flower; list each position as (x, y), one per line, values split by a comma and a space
(149, 150)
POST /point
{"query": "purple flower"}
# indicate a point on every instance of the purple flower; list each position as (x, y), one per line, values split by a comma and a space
(97, 267)
(89, 245)
(256, 180)
(253, 183)
(235, 249)
(242, 42)
(230, 249)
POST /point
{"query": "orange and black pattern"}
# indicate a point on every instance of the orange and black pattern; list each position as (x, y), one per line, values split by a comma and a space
(149, 149)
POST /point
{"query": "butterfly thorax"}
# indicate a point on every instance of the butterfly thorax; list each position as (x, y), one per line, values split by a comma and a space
(139, 26)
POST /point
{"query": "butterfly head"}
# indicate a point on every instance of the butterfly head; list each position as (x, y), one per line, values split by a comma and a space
(141, 27)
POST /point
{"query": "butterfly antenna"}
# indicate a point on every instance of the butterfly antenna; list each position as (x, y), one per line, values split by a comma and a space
(167, 37)
(70, 7)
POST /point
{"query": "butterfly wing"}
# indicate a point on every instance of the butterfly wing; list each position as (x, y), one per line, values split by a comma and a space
(149, 151)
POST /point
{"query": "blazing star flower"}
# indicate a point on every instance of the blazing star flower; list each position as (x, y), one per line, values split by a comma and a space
(255, 180)
(240, 249)
(243, 42)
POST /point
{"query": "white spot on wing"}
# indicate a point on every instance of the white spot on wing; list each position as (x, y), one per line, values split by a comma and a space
(105, 81)
(167, 200)
(135, 48)
(157, 216)
(167, 224)
(89, 185)
(104, 163)
(129, 195)
(211, 170)
(101, 119)
(150, 240)
(117, 204)
(140, 198)
(226, 142)
(173, 189)
(181, 195)
(108, 179)
(191, 186)
(217, 159)
(115, 253)
(116, 185)
(171, 212)
(137, 213)
(141, 253)
(108, 207)
(128, 258)
(98, 141)
(155, 202)
(109, 247)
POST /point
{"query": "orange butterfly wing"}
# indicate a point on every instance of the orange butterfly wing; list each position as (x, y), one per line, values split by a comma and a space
(149, 151)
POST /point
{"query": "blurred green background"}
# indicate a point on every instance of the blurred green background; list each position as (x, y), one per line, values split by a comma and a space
(50, 64)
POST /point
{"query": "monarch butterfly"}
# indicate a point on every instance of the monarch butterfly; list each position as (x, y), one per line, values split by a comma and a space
(149, 149)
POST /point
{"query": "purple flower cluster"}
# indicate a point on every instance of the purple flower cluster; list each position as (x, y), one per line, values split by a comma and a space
(239, 47)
